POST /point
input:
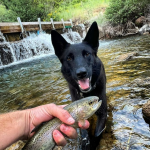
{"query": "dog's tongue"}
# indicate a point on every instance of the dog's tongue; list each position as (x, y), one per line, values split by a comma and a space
(84, 83)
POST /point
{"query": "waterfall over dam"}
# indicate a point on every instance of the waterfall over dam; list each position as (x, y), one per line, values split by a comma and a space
(30, 47)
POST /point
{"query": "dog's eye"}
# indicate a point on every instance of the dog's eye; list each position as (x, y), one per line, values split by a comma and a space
(69, 58)
(87, 54)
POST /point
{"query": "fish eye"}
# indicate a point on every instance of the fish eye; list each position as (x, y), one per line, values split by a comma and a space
(90, 103)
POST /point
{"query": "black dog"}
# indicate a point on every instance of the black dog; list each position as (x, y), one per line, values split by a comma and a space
(83, 70)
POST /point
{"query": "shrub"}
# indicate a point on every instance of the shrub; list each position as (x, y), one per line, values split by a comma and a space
(119, 11)
(27, 10)
(6, 15)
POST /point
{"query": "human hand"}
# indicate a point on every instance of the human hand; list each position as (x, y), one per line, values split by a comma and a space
(45, 113)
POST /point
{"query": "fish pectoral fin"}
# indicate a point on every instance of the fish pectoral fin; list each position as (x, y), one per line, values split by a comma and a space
(38, 127)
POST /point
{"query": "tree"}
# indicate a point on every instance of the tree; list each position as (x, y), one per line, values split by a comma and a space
(27, 10)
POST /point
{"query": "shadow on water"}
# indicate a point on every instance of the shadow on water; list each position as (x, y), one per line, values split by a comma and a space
(40, 82)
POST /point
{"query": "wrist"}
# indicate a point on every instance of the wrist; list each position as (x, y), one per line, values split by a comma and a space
(20, 121)
(24, 123)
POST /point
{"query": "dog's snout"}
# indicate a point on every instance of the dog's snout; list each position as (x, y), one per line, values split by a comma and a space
(81, 73)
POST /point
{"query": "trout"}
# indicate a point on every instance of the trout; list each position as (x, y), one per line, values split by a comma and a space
(80, 110)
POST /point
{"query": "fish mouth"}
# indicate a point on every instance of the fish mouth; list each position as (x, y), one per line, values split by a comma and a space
(96, 103)
(85, 85)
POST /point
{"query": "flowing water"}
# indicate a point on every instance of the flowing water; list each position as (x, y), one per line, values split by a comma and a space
(30, 47)
(39, 81)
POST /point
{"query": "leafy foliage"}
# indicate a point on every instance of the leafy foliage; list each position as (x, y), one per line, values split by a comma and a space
(30, 10)
(119, 11)
(6, 15)
(27, 10)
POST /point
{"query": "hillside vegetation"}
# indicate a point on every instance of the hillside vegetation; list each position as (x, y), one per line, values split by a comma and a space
(30, 10)
(120, 12)
(80, 11)
(103, 11)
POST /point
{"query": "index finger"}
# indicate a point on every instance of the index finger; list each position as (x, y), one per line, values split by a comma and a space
(60, 113)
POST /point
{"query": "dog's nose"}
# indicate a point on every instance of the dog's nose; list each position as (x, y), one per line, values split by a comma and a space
(81, 73)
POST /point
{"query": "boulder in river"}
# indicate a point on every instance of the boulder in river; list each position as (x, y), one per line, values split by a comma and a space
(101, 33)
(80, 28)
(144, 29)
(146, 110)
(5, 54)
(140, 21)
(146, 107)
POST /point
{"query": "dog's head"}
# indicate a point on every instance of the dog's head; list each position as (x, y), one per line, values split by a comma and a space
(79, 60)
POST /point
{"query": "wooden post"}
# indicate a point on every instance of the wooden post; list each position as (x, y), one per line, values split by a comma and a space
(63, 23)
(21, 26)
(71, 22)
(39, 21)
(52, 23)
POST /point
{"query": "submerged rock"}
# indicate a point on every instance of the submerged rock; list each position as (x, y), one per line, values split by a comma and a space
(140, 89)
(125, 57)
(145, 82)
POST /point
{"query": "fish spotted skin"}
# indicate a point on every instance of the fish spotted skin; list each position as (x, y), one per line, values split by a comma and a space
(79, 110)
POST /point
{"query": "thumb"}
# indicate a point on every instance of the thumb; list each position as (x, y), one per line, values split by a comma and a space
(47, 112)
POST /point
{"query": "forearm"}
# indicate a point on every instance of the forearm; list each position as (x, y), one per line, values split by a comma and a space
(18, 125)
(12, 127)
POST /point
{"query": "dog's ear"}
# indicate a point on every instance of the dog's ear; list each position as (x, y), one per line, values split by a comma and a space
(92, 37)
(59, 43)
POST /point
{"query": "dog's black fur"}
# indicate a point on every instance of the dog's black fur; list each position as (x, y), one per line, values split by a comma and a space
(81, 66)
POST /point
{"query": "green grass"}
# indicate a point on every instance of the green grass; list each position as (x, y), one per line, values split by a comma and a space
(82, 11)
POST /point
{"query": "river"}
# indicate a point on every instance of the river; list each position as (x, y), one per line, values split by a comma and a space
(39, 81)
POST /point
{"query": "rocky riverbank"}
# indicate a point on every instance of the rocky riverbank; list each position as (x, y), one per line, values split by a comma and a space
(108, 31)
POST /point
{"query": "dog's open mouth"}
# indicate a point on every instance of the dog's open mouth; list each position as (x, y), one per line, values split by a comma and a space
(85, 84)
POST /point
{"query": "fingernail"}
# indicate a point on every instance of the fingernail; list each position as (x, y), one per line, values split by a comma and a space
(70, 120)
(63, 127)
(55, 133)
(82, 123)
